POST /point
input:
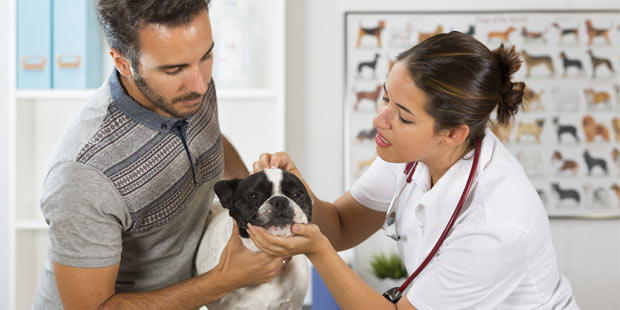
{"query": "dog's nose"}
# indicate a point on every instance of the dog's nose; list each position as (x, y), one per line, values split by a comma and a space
(279, 206)
(278, 202)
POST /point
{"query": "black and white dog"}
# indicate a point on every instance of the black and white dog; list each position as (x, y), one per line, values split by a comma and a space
(273, 199)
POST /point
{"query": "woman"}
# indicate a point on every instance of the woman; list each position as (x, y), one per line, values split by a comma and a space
(437, 101)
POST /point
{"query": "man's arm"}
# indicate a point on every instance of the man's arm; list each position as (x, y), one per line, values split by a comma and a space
(93, 288)
(233, 165)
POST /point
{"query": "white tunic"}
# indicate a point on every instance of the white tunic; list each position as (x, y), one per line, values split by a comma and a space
(499, 254)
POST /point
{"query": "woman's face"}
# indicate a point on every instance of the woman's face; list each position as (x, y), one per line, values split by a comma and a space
(405, 132)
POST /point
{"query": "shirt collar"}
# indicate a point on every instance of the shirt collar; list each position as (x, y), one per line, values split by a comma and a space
(444, 196)
(136, 111)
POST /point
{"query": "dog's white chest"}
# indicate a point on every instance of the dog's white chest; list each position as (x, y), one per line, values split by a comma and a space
(286, 291)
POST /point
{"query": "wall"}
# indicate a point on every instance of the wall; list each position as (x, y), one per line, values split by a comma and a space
(589, 251)
(6, 132)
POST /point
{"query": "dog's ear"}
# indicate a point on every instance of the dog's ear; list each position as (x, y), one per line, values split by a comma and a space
(225, 190)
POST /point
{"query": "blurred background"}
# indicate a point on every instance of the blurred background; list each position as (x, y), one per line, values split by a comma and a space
(283, 70)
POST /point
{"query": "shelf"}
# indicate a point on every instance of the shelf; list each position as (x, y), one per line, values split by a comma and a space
(33, 94)
(46, 94)
(31, 225)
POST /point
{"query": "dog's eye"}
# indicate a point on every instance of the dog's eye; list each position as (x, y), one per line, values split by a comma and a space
(253, 196)
(299, 195)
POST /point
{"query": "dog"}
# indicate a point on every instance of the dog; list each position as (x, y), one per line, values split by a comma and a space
(401, 36)
(567, 63)
(533, 100)
(372, 64)
(533, 36)
(372, 32)
(616, 188)
(533, 129)
(616, 125)
(369, 134)
(368, 95)
(501, 132)
(273, 199)
(501, 35)
(562, 129)
(599, 61)
(566, 193)
(561, 164)
(534, 61)
(594, 98)
(591, 129)
(425, 35)
(471, 30)
(598, 196)
(567, 32)
(615, 156)
(596, 32)
(592, 162)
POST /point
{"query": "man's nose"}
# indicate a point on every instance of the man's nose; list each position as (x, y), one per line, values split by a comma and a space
(197, 83)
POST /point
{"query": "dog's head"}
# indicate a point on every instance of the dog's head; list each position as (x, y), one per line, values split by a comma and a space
(273, 199)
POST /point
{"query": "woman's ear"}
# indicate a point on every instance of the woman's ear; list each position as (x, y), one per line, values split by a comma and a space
(456, 135)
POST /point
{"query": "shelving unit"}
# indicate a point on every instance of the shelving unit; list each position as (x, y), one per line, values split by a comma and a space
(252, 119)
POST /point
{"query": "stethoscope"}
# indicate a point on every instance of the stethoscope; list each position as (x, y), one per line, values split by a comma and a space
(394, 294)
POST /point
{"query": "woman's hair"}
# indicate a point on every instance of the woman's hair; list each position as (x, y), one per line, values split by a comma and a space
(121, 19)
(464, 81)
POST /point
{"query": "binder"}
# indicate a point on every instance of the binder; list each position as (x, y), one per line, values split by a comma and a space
(77, 45)
(33, 44)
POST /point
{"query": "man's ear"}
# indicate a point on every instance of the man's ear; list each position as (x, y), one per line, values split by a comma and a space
(456, 135)
(121, 62)
(225, 190)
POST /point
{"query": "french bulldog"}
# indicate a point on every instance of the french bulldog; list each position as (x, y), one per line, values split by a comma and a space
(273, 199)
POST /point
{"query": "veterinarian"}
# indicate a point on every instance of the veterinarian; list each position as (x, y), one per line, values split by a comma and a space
(131, 182)
(437, 102)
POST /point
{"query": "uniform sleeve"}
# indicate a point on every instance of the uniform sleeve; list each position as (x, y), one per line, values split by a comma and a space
(477, 269)
(86, 216)
(375, 188)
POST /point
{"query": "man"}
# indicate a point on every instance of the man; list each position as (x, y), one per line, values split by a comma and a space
(131, 181)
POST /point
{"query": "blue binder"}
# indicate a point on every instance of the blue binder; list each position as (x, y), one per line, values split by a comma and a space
(322, 298)
(33, 44)
(77, 49)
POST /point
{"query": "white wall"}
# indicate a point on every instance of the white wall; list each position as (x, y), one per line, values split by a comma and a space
(6, 89)
(589, 251)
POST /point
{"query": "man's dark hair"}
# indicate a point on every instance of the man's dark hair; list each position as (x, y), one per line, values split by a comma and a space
(121, 19)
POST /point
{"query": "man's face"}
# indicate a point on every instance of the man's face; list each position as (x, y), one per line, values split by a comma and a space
(175, 65)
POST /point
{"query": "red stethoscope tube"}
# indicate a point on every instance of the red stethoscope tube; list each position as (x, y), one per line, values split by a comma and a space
(394, 294)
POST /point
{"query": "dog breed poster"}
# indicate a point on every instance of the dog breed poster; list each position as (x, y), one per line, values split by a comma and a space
(568, 136)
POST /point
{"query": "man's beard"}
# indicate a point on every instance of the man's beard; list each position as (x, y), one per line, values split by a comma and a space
(161, 103)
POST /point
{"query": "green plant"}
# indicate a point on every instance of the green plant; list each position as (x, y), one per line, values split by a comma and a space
(388, 267)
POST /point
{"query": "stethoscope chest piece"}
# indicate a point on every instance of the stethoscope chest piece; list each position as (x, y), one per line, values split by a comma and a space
(393, 295)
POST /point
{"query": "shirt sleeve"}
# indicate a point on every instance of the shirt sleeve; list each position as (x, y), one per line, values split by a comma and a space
(85, 214)
(375, 188)
(477, 269)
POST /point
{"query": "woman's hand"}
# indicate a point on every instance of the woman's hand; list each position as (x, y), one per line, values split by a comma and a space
(280, 160)
(307, 240)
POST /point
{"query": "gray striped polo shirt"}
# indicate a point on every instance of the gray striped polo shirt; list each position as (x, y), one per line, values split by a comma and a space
(129, 186)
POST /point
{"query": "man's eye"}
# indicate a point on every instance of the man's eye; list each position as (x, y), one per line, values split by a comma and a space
(253, 196)
(172, 73)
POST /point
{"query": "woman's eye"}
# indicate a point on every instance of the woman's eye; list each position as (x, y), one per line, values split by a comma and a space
(299, 194)
(253, 196)
(385, 99)
(405, 121)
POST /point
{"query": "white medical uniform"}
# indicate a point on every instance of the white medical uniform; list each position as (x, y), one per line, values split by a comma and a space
(499, 254)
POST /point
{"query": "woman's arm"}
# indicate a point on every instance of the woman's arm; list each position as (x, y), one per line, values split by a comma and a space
(349, 290)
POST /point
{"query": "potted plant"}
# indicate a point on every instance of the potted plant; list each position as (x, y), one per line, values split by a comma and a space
(389, 269)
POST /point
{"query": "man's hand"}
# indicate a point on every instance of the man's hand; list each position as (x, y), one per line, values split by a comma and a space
(245, 268)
